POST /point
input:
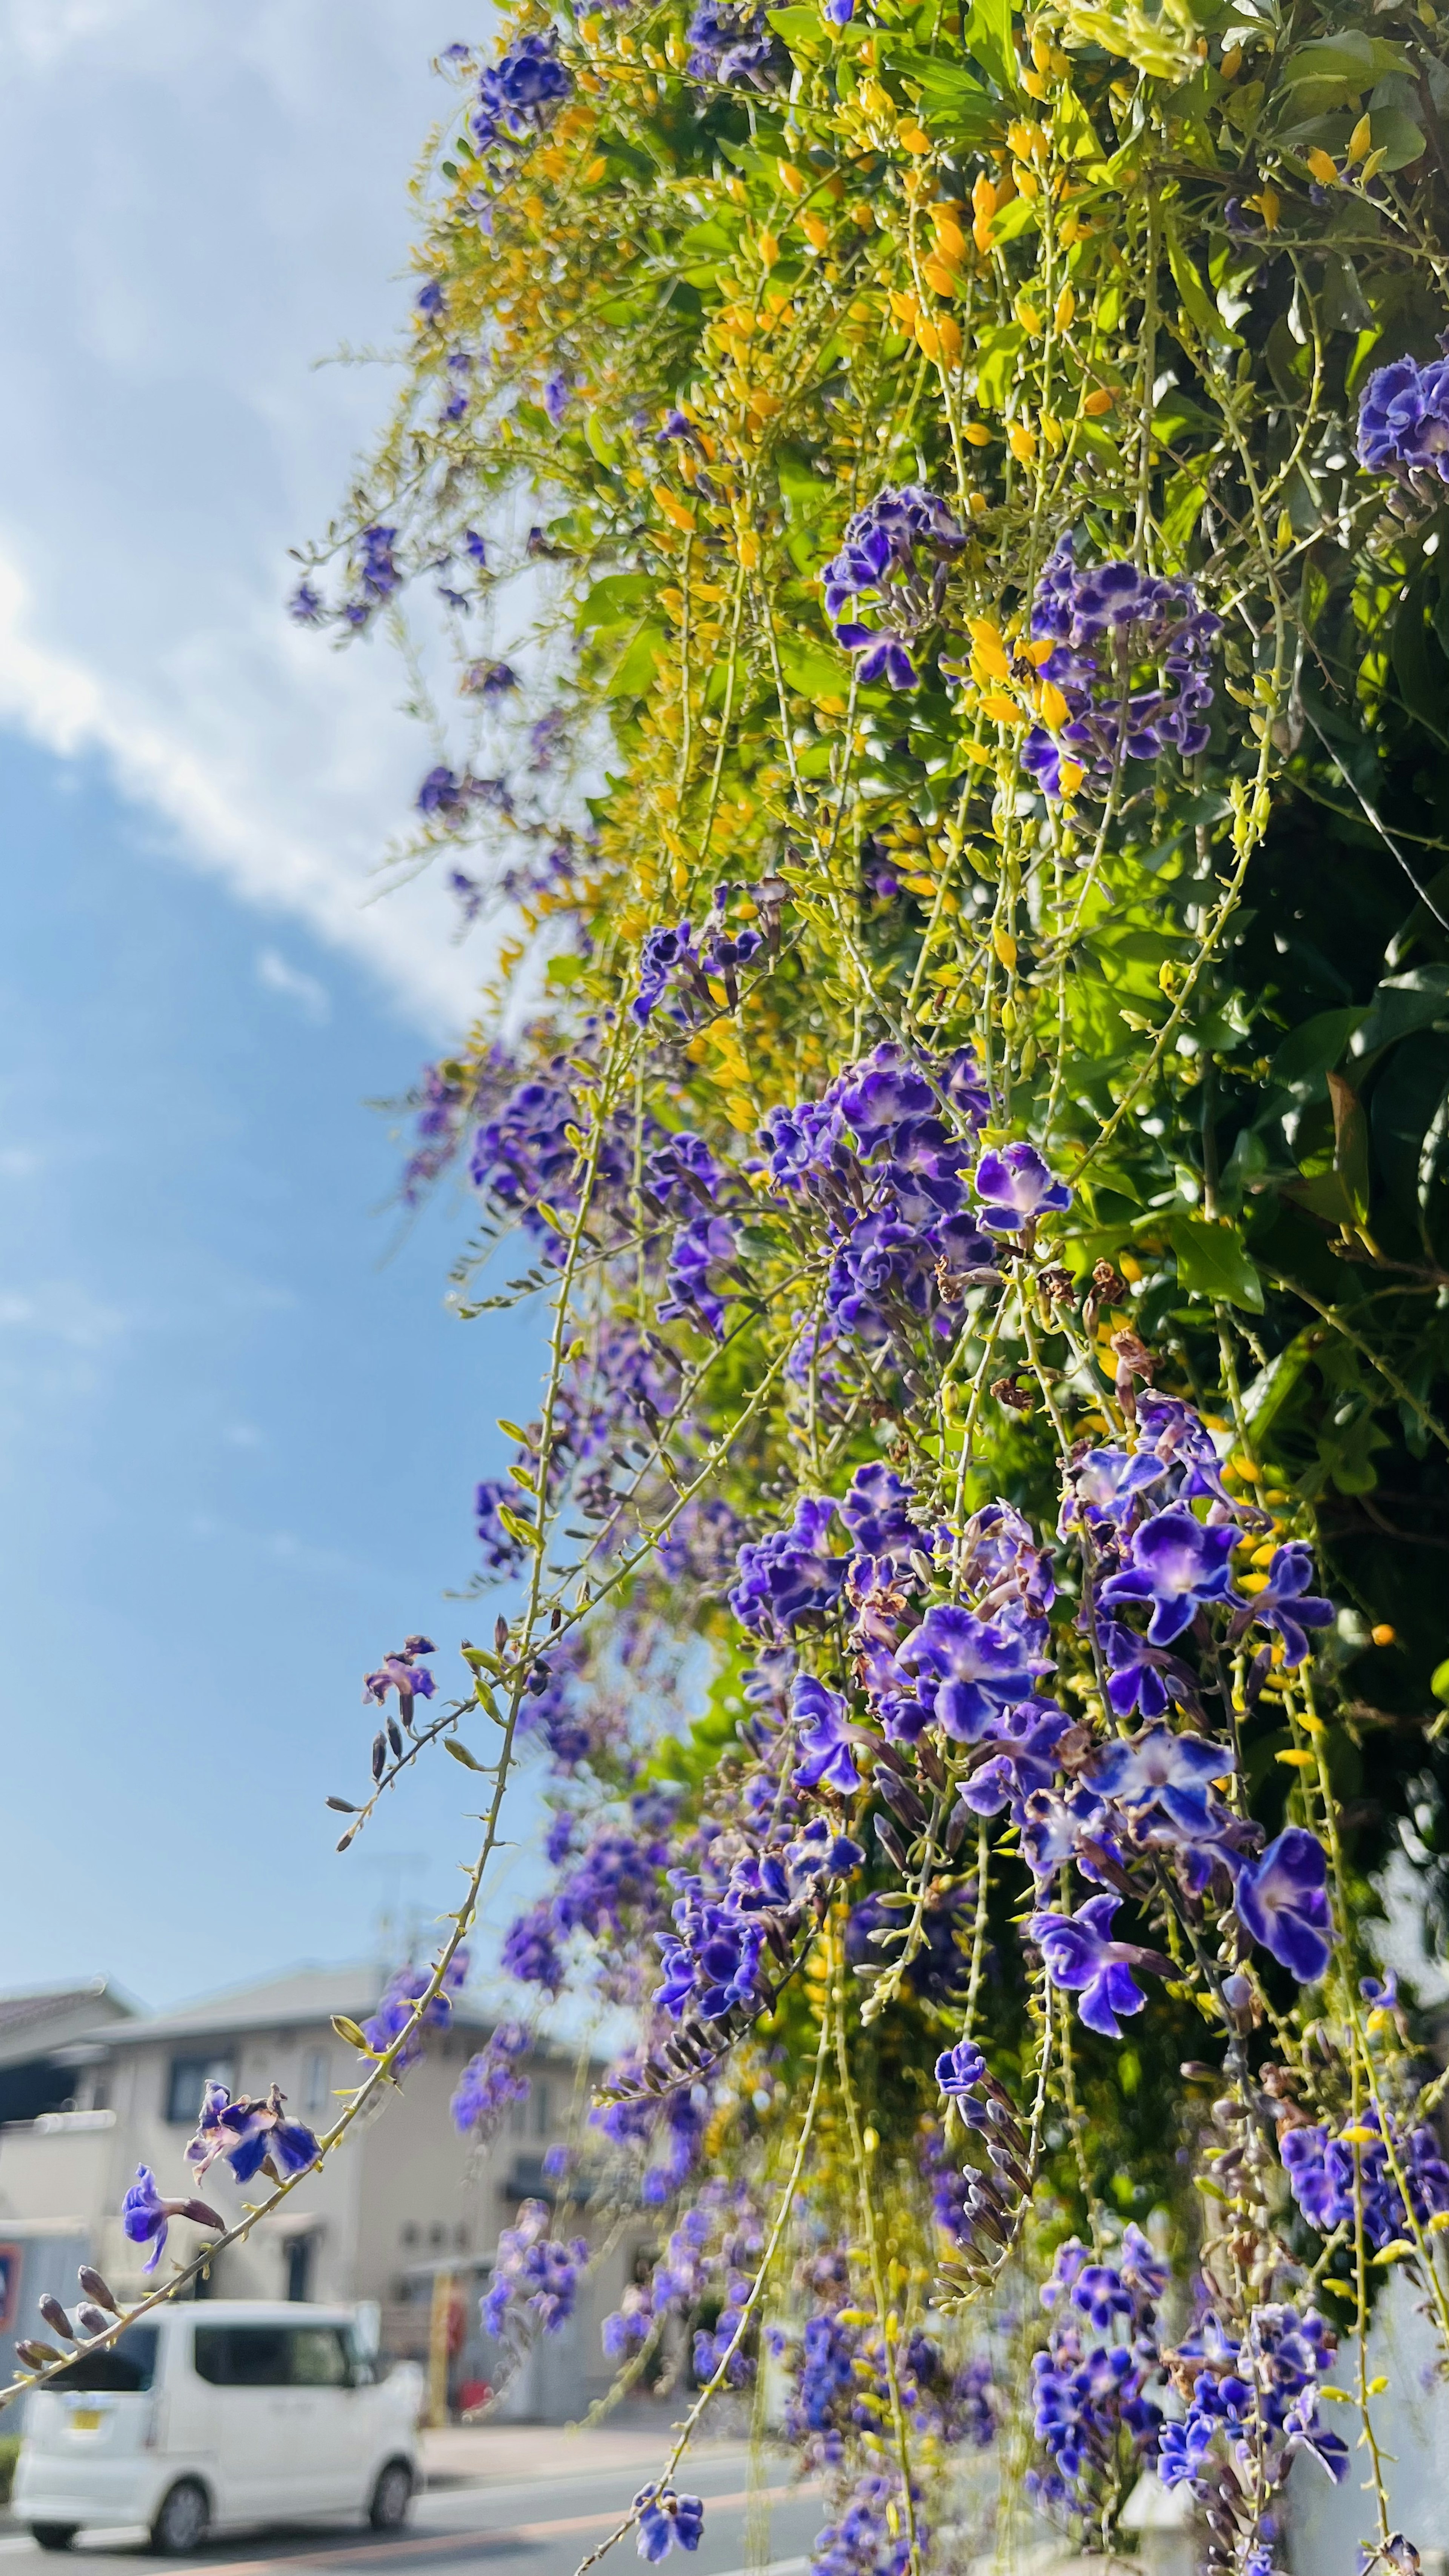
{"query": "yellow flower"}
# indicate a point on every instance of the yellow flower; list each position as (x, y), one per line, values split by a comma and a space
(943, 279)
(913, 138)
(793, 181)
(769, 249)
(1324, 169)
(977, 434)
(1066, 305)
(673, 508)
(950, 239)
(1360, 142)
(1099, 400)
(1005, 947)
(927, 335)
(989, 649)
(1026, 139)
(948, 332)
(1053, 706)
(1021, 439)
(1072, 775)
(1001, 708)
(816, 231)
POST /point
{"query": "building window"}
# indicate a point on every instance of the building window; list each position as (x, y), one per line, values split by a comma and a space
(185, 2083)
(410, 2232)
(299, 2267)
(316, 2071)
(518, 2119)
(540, 2110)
(437, 2232)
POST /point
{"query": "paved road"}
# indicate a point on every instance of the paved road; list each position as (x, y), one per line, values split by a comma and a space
(539, 2526)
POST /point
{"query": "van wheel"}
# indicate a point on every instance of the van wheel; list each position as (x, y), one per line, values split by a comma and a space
(54, 2535)
(180, 2526)
(391, 2497)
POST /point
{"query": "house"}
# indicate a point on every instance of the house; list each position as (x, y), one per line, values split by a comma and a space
(404, 2217)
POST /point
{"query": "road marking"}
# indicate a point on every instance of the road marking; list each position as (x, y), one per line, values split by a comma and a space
(481, 2537)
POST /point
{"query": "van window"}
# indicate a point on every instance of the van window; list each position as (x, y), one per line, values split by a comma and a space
(127, 2366)
(244, 2356)
(319, 2359)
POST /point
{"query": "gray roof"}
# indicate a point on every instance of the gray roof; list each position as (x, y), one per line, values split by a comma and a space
(39, 2018)
(307, 1998)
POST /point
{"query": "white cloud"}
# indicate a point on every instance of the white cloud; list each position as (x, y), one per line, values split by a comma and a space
(64, 1310)
(294, 985)
(196, 204)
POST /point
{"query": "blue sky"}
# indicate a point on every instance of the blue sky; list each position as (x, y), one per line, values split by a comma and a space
(240, 1429)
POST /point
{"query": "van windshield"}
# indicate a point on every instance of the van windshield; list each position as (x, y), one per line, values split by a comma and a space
(126, 2367)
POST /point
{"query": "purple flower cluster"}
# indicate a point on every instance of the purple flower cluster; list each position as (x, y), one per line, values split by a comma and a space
(1089, 2387)
(521, 93)
(396, 2003)
(886, 1150)
(502, 1553)
(1403, 423)
(535, 2279)
(896, 555)
(1109, 625)
(716, 1962)
(869, 2538)
(791, 1576)
(524, 1153)
(1259, 2395)
(491, 2081)
(1320, 2171)
(671, 962)
(733, 45)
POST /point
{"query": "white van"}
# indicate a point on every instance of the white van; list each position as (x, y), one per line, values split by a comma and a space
(222, 2411)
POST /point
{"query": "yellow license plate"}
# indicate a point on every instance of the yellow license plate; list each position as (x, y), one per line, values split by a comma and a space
(86, 2419)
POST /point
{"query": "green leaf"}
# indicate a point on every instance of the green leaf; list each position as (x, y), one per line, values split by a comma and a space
(1265, 1398)
(1350, 1145)
(460, 1753)
(1212, 1262)
(1439, 1681)
(1307, 1052)
(802, 27)
(611, 603)
(1401, 1004)
(1395, 134)
(948, 93)
(1197, 304)
(988, 37)
(524, 1531)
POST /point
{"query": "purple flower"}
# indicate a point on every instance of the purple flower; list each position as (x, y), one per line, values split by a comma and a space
(253, 2136)
(877, 1511)
(1081, 1955)
(558, 393)
(402, 1673)
(520, 93)
(1285, 1602)
(432, 299)
(789, 1576)
(667, 2521)
(959, 2070)
(1015, 1187)
(145, 2216)
(1134, 1674)
(1282, 1900)
(664, 955)
(979, 1668)
(825, 1739)
(305, 605)
(1403, 422)
(1134, 1769)
(1177, 1562)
